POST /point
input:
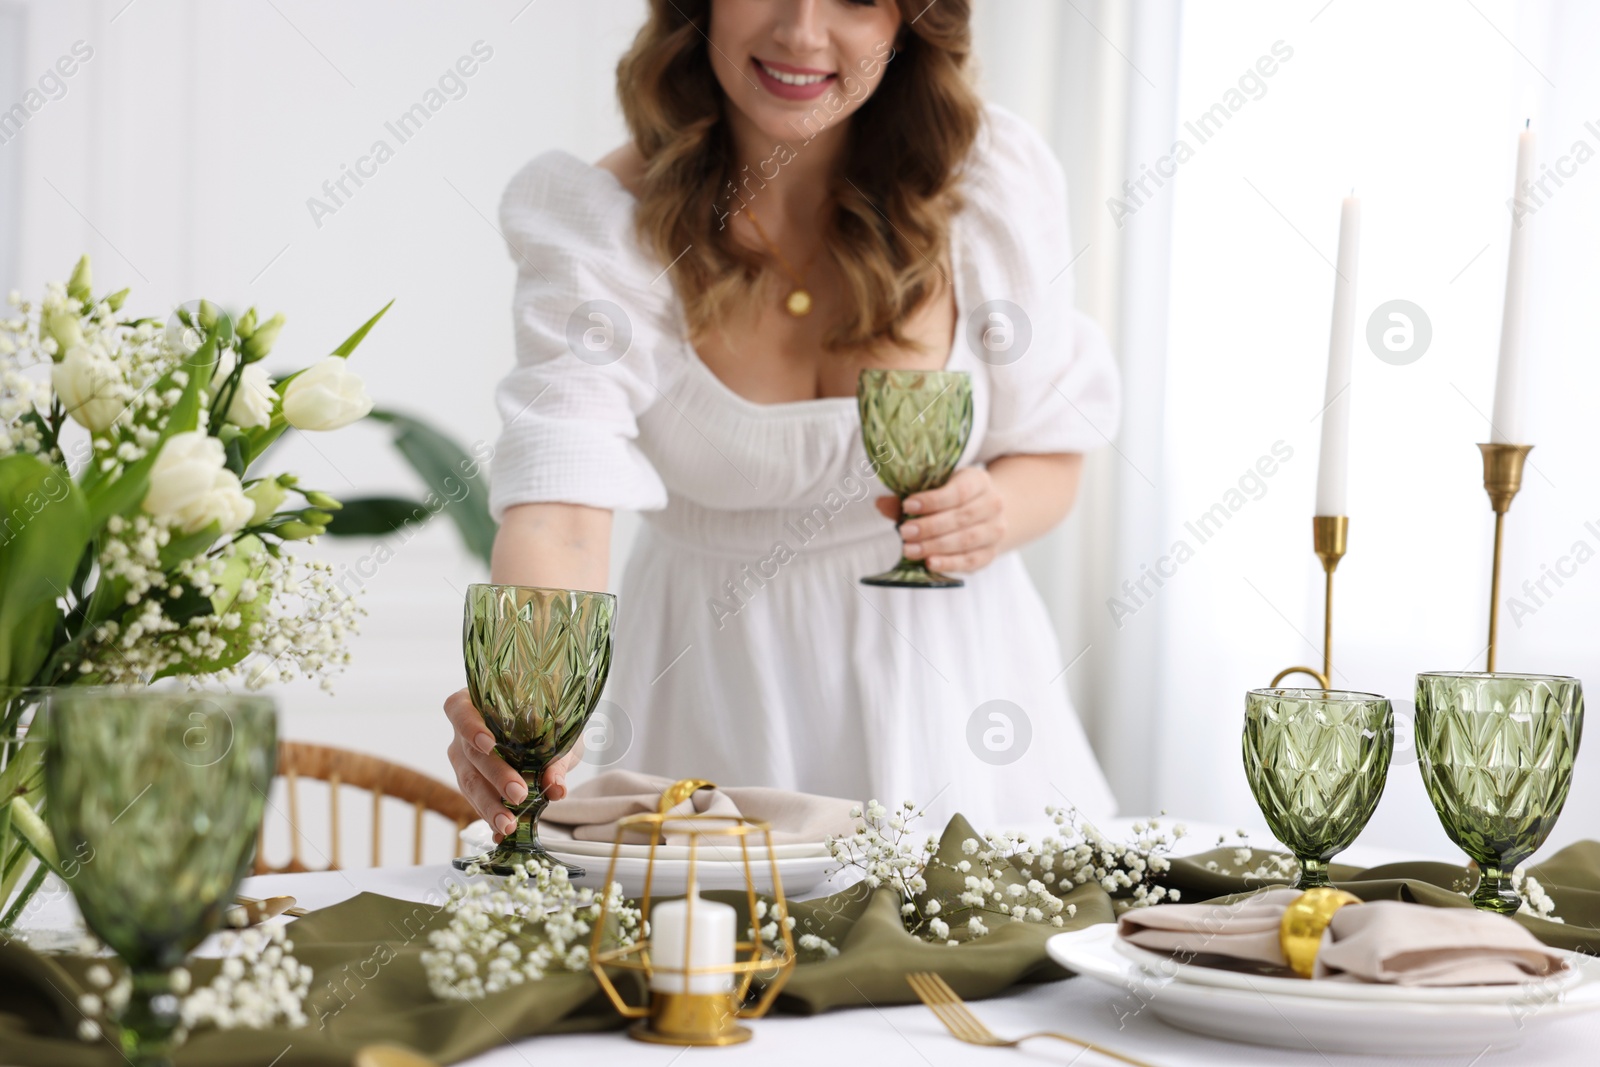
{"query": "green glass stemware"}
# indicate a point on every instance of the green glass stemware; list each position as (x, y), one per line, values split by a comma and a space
(1496, 753)
(536, 662)
(1317, 761)
(915, 425)
(159, 795)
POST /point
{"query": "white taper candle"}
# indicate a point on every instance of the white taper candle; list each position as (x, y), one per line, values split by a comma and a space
(1505, 425)
(1333, 461)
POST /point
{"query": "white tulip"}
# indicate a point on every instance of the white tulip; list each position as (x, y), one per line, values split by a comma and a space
(190, 484)
(325, 396)
(87, 384)
(252, 400)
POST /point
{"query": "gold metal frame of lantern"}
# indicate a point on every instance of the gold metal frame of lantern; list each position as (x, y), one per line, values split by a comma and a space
(687, 1018)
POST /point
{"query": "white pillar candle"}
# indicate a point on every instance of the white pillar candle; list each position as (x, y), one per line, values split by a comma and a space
(676, 942)
(1333, 461)
(1505, 425)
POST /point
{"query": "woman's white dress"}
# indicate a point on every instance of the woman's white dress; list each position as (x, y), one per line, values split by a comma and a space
(747, 650)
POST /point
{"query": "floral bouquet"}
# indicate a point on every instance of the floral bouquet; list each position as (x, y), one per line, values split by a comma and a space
(137, 541)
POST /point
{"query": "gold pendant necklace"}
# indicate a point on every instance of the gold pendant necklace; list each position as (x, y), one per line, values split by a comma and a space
(798, 302)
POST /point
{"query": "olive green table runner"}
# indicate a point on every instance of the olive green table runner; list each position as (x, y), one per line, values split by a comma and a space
(370, 986)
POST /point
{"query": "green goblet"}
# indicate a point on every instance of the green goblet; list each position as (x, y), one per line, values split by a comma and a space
(1317, 761)
(159, 796)
(1496, 752)
(915, 425)
(536, 662)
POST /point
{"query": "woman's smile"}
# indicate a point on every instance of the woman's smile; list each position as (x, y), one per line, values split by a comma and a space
(791, 82)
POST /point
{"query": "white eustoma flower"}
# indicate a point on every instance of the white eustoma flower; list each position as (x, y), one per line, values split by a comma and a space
(252, 400)
(88, 384)
(190, 485)
(325, 396)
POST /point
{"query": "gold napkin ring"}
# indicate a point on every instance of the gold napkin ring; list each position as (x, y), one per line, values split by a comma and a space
(1304, 922)
(678, 792)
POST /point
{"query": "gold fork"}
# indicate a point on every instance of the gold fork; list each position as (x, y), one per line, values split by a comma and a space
(936, 993)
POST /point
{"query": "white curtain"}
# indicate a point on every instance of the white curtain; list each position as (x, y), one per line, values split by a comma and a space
(1217, 293)
(1100, 79)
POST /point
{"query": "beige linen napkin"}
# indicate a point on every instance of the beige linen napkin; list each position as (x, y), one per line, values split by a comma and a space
(1380, 941)
(591, 810)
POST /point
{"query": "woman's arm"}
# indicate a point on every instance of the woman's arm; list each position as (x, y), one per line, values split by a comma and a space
(557, 546)
(981, 512)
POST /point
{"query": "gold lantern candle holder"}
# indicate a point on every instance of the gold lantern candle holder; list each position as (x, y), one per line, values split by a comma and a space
(1502, 479)
(1328, 540)
(697, 1004)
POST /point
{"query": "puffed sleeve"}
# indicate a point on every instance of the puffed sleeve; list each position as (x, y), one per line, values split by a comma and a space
(588, 330)
(1062, 393)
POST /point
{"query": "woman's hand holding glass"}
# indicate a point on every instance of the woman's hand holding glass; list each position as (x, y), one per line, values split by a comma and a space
(486, 780)
(956, 528)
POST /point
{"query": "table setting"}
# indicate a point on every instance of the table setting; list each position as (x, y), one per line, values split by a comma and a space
(689, 913)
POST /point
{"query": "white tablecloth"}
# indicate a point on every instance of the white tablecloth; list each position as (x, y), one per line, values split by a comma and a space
(910, 1034)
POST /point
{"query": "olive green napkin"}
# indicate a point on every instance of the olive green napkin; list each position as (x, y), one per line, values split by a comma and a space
(370, 987)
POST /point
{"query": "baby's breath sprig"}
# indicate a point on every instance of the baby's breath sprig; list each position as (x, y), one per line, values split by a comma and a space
(1269, 867)
(1005, 877)
(503, 932)
(258, 986)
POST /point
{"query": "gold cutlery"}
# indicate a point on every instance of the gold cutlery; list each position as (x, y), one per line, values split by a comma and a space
(248, 911)
(936, 993)
(390, 1056)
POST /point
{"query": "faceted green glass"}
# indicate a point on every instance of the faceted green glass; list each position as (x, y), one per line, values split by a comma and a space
(915, 425)
(1317, 761)
(536, 662)
(1496, 752)
(158, 797)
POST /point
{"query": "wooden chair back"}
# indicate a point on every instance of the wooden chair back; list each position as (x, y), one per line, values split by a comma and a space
(341, 768)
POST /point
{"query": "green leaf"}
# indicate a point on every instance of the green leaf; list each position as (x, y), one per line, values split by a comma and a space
(187, 546)
(44, 529)
(452, 475)
(26, 824)
(376, 516)
(233, 453)
(360, 335)
(189, 605)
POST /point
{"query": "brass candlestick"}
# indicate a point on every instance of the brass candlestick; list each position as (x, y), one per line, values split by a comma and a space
(1502, 477)
(1328, 534)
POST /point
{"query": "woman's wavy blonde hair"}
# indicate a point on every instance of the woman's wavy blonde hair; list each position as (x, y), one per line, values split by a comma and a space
(891, 200)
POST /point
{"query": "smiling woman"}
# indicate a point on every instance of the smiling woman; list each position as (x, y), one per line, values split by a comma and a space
(811, 189)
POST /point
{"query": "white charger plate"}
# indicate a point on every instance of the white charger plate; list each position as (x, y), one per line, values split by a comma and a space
(1535, 990)
(1257, 1015)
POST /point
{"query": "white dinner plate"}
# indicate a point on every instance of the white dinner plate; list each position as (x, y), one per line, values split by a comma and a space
(1538, 990)
(712, 848)
(800, 874)
(475, 837)
(1257, 1015)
